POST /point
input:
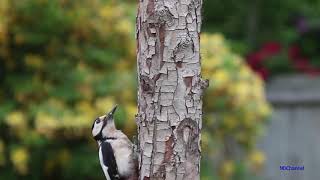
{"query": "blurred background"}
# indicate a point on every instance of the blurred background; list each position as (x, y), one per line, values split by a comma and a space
(63, 63)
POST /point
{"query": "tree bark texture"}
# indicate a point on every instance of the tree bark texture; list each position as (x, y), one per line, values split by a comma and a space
(170, 89)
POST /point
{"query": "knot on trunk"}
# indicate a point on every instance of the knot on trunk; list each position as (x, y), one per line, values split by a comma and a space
(163, 16)
(147, 84)
(188, 135)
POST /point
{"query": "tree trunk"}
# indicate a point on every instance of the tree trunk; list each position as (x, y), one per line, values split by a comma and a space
(170, 89)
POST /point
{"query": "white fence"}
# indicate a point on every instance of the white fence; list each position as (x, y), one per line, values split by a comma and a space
(293, 135)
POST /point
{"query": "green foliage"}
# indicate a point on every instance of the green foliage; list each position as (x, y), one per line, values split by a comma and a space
(256, 21)
(58, 63)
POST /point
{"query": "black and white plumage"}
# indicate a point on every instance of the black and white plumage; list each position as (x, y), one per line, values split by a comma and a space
(108, 161)
(116, 153)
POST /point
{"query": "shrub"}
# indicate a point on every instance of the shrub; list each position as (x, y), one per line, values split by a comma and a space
(236, 111)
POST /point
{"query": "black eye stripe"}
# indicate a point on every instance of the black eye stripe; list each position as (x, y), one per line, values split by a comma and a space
(99, 135)
(95, 122)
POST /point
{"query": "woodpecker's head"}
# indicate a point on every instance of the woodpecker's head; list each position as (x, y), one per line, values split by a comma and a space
(101, 125)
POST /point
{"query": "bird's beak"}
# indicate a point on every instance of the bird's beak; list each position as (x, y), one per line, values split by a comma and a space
(111, 113)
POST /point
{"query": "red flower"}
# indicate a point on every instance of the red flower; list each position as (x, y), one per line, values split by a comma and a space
(264, 73)
(301, 64)
(271, 48)
(313, 72)
(294, 52)
(255, 59)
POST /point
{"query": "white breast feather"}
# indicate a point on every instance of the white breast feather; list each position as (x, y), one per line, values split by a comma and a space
(123, 157)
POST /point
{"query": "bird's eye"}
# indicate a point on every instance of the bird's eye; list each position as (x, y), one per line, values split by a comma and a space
(98, 121)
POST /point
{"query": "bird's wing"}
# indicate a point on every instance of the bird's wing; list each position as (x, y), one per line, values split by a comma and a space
(109, 160)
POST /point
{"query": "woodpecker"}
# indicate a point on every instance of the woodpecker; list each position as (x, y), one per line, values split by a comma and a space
(116, 152)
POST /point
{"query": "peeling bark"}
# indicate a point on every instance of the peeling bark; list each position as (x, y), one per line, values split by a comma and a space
(170, 89)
